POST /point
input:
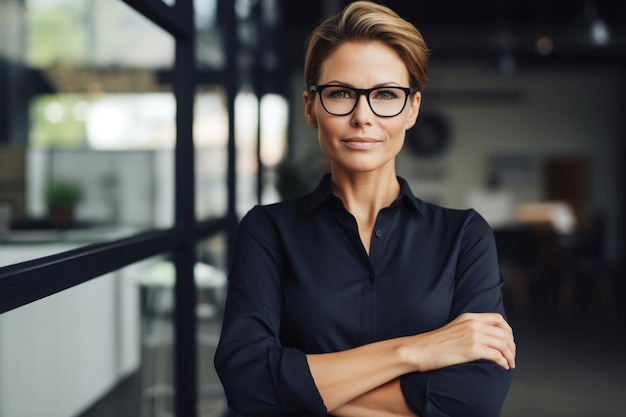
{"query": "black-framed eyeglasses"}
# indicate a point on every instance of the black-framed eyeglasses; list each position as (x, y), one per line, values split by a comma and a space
(340, 100)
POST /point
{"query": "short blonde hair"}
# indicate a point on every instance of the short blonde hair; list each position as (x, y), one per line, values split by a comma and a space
(363, 21)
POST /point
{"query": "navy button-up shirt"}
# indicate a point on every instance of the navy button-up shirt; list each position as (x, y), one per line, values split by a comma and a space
(301, 282)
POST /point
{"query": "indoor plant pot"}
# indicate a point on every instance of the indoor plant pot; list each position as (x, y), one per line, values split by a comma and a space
(62, 198)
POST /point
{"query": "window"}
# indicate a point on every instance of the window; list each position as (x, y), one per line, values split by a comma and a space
(101, 107)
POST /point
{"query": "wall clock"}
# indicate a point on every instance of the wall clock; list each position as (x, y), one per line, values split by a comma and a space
(430, 136)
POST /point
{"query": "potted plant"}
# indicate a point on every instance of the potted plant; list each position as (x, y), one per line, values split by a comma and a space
(62, 197)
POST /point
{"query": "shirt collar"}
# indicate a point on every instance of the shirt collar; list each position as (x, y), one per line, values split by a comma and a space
(407, 195)
(321, 193)
(324, 191)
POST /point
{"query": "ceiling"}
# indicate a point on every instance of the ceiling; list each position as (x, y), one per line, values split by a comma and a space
(534, 31)
(480, 30)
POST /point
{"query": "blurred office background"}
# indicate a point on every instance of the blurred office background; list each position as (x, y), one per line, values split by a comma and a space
(115, 218)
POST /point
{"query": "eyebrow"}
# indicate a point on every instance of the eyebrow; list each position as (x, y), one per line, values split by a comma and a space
(385, 84)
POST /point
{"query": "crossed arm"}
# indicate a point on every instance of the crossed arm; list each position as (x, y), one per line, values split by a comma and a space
(457, 369)
(365, 380)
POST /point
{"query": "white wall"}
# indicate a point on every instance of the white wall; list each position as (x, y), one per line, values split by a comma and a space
(62, 353)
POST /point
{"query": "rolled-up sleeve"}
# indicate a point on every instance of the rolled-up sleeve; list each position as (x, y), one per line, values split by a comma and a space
(259, 375)
(476, 389)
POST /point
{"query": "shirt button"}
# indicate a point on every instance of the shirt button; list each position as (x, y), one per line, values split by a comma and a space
(379, 233)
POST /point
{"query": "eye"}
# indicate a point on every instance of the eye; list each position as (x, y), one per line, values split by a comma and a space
(385, 94)
(338, 93)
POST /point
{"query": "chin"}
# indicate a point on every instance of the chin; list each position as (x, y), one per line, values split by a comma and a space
(362, 166)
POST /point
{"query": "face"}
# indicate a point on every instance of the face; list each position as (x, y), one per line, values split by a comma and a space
(362, 141)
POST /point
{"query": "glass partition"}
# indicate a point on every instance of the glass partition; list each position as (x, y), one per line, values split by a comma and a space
(156, 281)
(211, 153)
(246, 142)
(93, 152)
(211, 286)
(274, 112)
(61, 354)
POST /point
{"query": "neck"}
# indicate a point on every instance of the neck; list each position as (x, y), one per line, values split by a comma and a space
(365, 194)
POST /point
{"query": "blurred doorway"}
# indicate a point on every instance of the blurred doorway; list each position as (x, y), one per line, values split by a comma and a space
(567, 179)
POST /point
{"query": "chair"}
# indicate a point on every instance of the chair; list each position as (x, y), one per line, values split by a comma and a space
(156, 284)
(517, 247)
(584, 263)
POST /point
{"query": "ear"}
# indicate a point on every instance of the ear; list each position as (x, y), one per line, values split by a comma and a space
(309, 114)
(414, 108)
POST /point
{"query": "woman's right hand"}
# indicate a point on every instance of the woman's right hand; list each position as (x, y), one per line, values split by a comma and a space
(469, 337)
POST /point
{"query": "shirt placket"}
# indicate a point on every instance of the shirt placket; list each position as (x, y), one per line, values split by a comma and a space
(370, 295)
(373, 261)
(368, 285)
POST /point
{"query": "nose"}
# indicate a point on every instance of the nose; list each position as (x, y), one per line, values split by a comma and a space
(362, 113)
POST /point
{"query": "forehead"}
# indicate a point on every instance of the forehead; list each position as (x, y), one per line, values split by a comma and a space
(364, 64)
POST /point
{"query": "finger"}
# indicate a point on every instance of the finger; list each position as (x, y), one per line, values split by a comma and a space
(499, 359)
(491, 349)
(508, 353)
(506, 348)
(489, 318)
(485, 336)
(495, 319)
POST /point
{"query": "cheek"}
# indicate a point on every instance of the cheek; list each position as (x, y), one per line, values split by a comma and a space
(326, 141)
(397, 135)
(398, 144)
(327, 127)
(398, 130)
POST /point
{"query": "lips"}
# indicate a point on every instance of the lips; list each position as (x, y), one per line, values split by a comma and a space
(360, 143)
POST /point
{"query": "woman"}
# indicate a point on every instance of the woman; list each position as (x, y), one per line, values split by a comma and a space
(359, 299)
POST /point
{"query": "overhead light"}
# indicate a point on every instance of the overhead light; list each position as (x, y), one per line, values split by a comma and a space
(544, 45)
(598, 30)
(599, 35)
